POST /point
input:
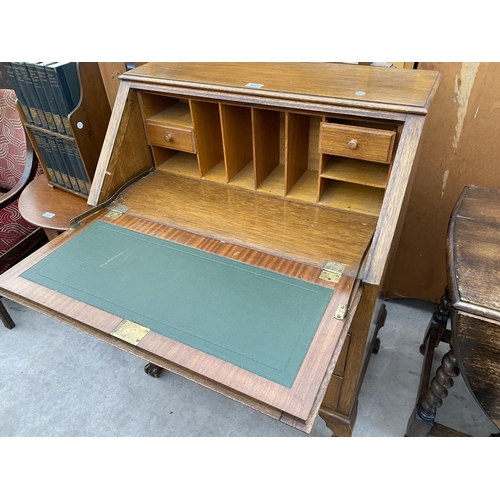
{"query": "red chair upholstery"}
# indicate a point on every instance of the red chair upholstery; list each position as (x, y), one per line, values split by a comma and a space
(18, 167)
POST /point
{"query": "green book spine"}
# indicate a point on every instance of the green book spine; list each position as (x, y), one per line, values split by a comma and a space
(45, 154)
(69, 79)
(67, 163)
(19, 74)
(58, 161)
(53, 160)
(61, 101)
(53, 111)
(83, 170)
(40, 93)
(18, 90)
(33, 95)
(76, 166)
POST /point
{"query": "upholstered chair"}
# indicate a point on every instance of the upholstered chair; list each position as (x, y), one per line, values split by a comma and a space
(18, 167)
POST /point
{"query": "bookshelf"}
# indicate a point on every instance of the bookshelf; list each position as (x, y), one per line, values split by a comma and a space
(65, 112)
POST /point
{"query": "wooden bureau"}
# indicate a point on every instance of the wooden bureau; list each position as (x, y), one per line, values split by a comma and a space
(281, 187)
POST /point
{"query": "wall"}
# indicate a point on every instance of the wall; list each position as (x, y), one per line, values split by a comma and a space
(460, 146)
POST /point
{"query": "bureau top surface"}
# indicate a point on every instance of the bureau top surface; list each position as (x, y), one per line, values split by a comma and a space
(329, 82)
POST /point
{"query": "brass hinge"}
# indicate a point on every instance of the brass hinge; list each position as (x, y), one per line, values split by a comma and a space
(341, 311)
(130, 332)
(116, 210)
(332, 271)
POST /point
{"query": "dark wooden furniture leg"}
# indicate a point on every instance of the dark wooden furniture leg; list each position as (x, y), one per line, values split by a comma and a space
(5, 317)
(153, 370)
(438, 389)
(438, 323)
(430, 396)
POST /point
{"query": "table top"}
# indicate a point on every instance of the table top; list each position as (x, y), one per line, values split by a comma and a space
(50, 208)
(473, 245)
(473, 281)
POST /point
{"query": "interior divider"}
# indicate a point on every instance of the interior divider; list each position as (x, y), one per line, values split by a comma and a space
(266, 143)
(206, 123)
(236, 123)
(296, 149)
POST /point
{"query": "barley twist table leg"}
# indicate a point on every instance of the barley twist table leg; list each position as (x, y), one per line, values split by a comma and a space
(438, 388)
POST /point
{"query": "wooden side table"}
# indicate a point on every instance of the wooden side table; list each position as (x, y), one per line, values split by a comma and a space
(472, 302)
(50, 208)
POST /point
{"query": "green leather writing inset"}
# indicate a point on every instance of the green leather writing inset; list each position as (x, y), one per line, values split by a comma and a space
(256, 319)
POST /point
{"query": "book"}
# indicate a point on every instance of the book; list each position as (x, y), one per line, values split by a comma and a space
(50, 102)
(67, 163)
(40, 93)
(30, 89)
(81, 167)
(18, 90)
(46, 157)
(67, 77)
(77, 167)
(19, 75)
(58, 164)
(63, 102)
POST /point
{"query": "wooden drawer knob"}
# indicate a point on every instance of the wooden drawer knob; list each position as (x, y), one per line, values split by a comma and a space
(168, 137)
(352, 144)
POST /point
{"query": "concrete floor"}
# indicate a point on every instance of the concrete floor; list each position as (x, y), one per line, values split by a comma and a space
(57, 381)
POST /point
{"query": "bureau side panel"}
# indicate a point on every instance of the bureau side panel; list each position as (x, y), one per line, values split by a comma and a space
(125, 152)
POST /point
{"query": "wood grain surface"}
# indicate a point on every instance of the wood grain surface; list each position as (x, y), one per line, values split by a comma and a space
(296, 402)
(395, 202)
(277, 226)
(121, 159)
(369, 144)
(110, 71)
(473, 283)
(329, 82)
(477, 348)
(473, 245)
(49, 207)
(358, 172)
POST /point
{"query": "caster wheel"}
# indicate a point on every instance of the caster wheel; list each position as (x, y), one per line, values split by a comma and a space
(376, 347)
(422, 349)
(153, 370)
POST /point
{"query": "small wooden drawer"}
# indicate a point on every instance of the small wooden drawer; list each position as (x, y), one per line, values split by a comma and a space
(356, 142)
(167, 136)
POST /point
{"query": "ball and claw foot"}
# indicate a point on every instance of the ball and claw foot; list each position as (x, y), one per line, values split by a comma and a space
(153, 370)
